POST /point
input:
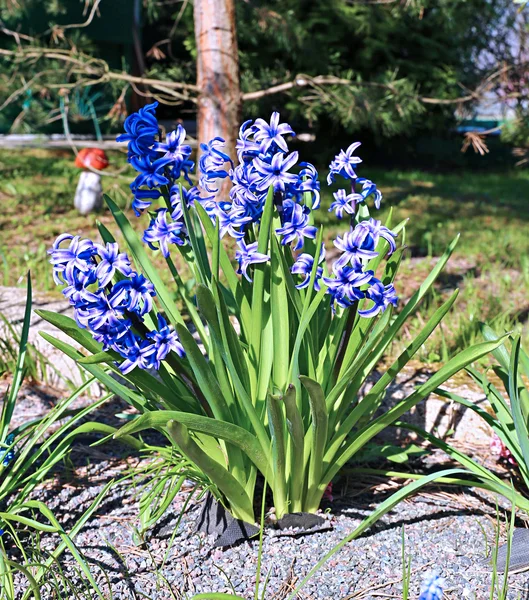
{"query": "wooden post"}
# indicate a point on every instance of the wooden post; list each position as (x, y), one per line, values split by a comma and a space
(219, 102)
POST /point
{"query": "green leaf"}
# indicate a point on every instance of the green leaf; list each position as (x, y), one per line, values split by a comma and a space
(18, 375)
(196, 241)
(36, 525)
(373, 399)
(397, 454)
(230, 337)
(105, 233)
(519, 422)
(136, 400)
(99, 357)
(229, 432)
(498, 426)
(501, 353)
(305, 319)
(176, 396)
(304, 323)
(296, 448)
(189, 305)
(320, 422)
(361, 438)
(70, 327)
(276, 425)
(293, 293)
(414, 301)
(240, 389)
(357, 369)
(259, 315)
(67, 543)
(240, 503)
(234, 284)
(379, 512)
(210, 305)
(280, 320)
(497, 401)
(206, 380)
(44, 510)
(491, 481)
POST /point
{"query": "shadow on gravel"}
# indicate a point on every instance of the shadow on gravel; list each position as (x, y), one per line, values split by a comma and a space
(359, 505)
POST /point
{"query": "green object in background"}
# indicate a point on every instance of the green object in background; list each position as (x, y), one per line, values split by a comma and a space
(112, 24)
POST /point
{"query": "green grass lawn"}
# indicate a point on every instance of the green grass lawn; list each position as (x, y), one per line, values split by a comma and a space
(489, 210)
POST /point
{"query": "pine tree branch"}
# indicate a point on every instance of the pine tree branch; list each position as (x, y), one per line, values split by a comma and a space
(301, 81)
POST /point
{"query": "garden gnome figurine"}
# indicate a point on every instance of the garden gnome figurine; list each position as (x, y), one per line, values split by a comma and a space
(89, 193)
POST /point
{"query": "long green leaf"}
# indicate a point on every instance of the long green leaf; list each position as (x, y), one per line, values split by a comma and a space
(206, 380)
(234, 284)
(258, 292)
(295, 448)
(497, 425)
(320, 422)
(197, 242)
(44, 510)
(80, 523)
(230, 337)
(240, 503)
(411, 305)
(484, 475)
(139, 402)
(70, 327)
(280, 318)
(173, 391)
(456, 364)
(18, 375)
(241, 391)
(277, 431)
(374, 397)
(501, 353)
(519, 422)
(229, 432)
(221, 329)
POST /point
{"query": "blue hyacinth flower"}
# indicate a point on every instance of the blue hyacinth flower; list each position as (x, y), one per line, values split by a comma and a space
(432, 588)
(271, 133)
(247, 255)
(344, 164)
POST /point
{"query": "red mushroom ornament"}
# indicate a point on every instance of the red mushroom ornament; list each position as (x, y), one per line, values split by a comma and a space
(89, 193)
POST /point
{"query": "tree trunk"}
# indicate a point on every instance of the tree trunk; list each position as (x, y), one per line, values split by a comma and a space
(219, 103)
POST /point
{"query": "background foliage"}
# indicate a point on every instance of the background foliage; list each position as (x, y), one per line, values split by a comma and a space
(395, 53)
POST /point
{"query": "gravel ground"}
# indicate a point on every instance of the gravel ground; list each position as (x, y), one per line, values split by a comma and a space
(448, 529)
(444, 529)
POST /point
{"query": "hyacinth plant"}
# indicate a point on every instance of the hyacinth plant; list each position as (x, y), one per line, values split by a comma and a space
(256, 363)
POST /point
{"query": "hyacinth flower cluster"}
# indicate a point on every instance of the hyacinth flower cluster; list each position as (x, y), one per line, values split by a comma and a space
(264, 163)
(111, 300)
